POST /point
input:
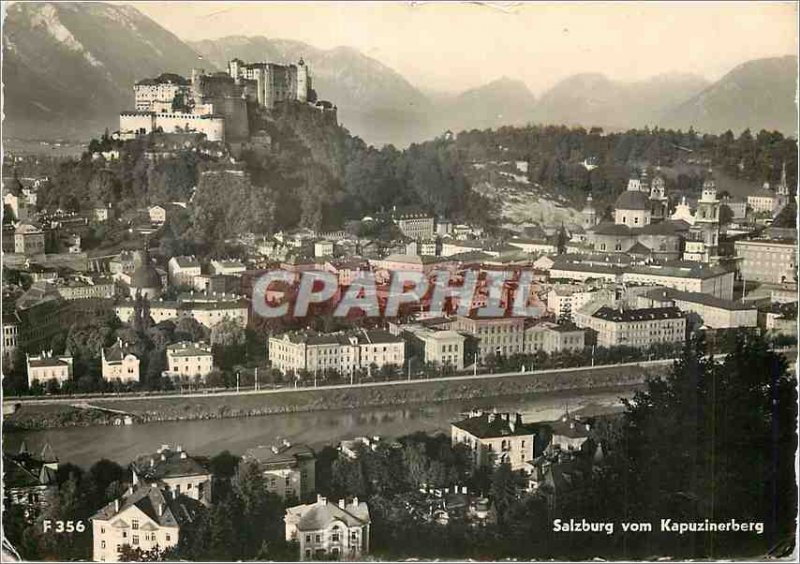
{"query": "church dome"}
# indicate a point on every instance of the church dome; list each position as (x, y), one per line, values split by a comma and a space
(631, 200)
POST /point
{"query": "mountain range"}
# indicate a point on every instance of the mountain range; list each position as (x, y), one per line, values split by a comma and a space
(69, 69)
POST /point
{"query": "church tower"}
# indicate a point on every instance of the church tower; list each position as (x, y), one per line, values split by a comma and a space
(783, 187)
(589, 214)
(658, 199)
(706, 218)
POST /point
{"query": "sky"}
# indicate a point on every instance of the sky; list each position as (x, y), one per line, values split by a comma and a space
(453, 46)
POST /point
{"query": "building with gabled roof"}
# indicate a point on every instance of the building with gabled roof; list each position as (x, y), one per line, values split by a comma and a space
(119, 363)
(495, 438)
(30, 481)
(326, 530)
(288, 469)
(145, 517)
(639, 328)
(45, 367)
(175, 472)
(189, 360)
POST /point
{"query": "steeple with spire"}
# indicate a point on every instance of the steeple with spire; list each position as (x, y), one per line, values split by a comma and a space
(783, 186)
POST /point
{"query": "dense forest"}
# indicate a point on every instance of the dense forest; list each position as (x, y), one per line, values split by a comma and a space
(302, 169)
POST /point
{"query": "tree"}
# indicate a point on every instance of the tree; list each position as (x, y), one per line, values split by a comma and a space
(694, 440)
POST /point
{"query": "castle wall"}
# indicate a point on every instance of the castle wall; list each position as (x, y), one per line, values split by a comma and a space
(136, 122)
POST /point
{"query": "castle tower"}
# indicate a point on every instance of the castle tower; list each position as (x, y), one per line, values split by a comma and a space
(302, 81)
(589, 214)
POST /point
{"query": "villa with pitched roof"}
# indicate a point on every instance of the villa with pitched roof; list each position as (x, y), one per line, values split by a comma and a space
(327, 530)
(174, 471)
(145, 517)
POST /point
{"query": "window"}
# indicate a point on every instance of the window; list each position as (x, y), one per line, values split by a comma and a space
(308, 553)
(102, 530)
(167, 539)
(134, 524)
(308, 538)
(102, 544)
(135, 539)
(124, 534)
(317, 538)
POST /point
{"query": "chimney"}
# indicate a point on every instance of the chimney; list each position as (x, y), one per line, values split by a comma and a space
(152, 462)
(321, 500)
(163, 456)
(179, 448)
(286, 443)
(355, 502)
(183, 455)
(342, 503)
(519, 420)
(160, 509)
(116, 506)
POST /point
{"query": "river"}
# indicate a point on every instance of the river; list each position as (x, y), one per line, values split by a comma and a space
(84, 446)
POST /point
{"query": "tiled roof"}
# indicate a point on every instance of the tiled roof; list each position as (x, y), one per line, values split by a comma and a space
(318, 516)
(490, 425)
(698, 298)
(148, 499)
(285, 455)
(631, 315)
(167, 464)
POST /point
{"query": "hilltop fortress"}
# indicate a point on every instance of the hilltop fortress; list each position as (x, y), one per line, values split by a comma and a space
(217, 104)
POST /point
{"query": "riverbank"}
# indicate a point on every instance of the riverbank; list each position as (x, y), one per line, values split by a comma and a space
(34, 416)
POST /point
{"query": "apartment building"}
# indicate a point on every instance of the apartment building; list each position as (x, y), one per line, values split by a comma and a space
(498, 336)
(713, 312)
(441, 348)
(189, 360)
(767, 260)
(343, 352)
(551, 338)
(638, 328)
(183, 270)
(417, 225)
(495, 438)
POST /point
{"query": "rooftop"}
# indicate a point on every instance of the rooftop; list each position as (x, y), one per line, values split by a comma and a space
(491, 425)
(644, 314)
(167, 463)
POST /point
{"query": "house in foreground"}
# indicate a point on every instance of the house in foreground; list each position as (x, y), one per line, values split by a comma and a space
(329, 531)
(145, 518)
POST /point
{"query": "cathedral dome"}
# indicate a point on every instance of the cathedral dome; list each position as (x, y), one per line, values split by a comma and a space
(631, 200)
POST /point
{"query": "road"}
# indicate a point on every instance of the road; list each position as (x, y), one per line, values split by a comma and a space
(227, 393)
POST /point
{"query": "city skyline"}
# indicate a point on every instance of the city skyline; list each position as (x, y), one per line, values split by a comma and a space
(419, 41)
